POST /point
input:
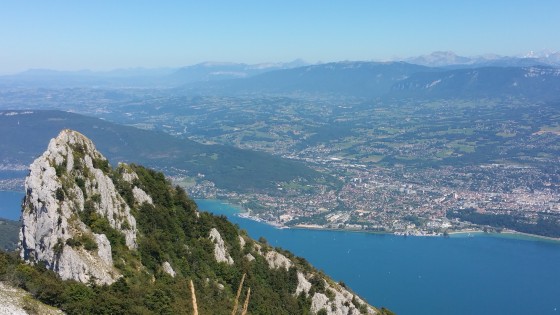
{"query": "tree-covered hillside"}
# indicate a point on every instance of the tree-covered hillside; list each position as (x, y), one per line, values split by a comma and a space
(24, 133)
(172, 232)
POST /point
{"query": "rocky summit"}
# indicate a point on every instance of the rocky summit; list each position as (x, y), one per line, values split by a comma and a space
(145, 248)
(66, 181)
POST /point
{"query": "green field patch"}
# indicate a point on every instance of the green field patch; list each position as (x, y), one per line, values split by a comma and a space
(462, 146)
(444, 153)
(346, 144)
(451, 131)
(297, 186)
(390, 130)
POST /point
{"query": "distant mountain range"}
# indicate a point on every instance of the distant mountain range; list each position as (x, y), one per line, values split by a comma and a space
(356, 78)
(395, 80)
(451, 60)
(219, 71)
(142, 77)
(440, 74)
(212, 71)
(536, 82)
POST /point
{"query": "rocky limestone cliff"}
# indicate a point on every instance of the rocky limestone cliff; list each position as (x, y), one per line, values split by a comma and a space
(75, 204)
(66, 184)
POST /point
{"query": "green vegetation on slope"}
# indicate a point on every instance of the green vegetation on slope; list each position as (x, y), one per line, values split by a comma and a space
(171, 230)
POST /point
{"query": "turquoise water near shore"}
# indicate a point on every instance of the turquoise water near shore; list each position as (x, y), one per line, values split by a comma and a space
(481, 274)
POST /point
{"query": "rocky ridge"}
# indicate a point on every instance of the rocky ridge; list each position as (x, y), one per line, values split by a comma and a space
(75, 204)
(65, 184)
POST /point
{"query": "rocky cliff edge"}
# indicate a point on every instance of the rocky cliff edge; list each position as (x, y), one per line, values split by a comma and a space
(67, 185)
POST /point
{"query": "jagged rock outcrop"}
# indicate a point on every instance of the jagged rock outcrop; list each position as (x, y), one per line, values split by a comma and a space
(129, 176)
(166, 266)
(303, 284)
(338, 301)
(220, 251)
(67, 185)
(249, 257)
(141, 196)
(276, 260)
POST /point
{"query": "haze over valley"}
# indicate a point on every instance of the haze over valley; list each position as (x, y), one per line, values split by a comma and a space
(391, 147)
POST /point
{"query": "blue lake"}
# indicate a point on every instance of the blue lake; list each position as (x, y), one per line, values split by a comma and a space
(13, 174)
(483, 274)
(10, 204)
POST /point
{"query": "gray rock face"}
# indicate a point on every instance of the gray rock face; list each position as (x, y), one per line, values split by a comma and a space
(303, 284)
(65, 183)
(340, 302)
(129, 176)
(220, 251)
(168, 269)
(242, 242)
(276, 260)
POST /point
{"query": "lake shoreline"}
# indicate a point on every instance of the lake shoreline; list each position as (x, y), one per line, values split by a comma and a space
(480, 267)
(244, 213)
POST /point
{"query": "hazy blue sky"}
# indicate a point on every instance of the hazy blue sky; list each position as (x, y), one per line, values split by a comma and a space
(102, 35)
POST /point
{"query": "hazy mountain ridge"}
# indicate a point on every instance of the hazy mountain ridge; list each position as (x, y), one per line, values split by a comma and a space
(213, 71)
(395, 80)
(538, 82)
(348, 78)
(142, 77)
(449, 59)
(220, 71)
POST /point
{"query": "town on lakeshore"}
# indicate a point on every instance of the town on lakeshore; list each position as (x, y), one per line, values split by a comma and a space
(374, 201)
